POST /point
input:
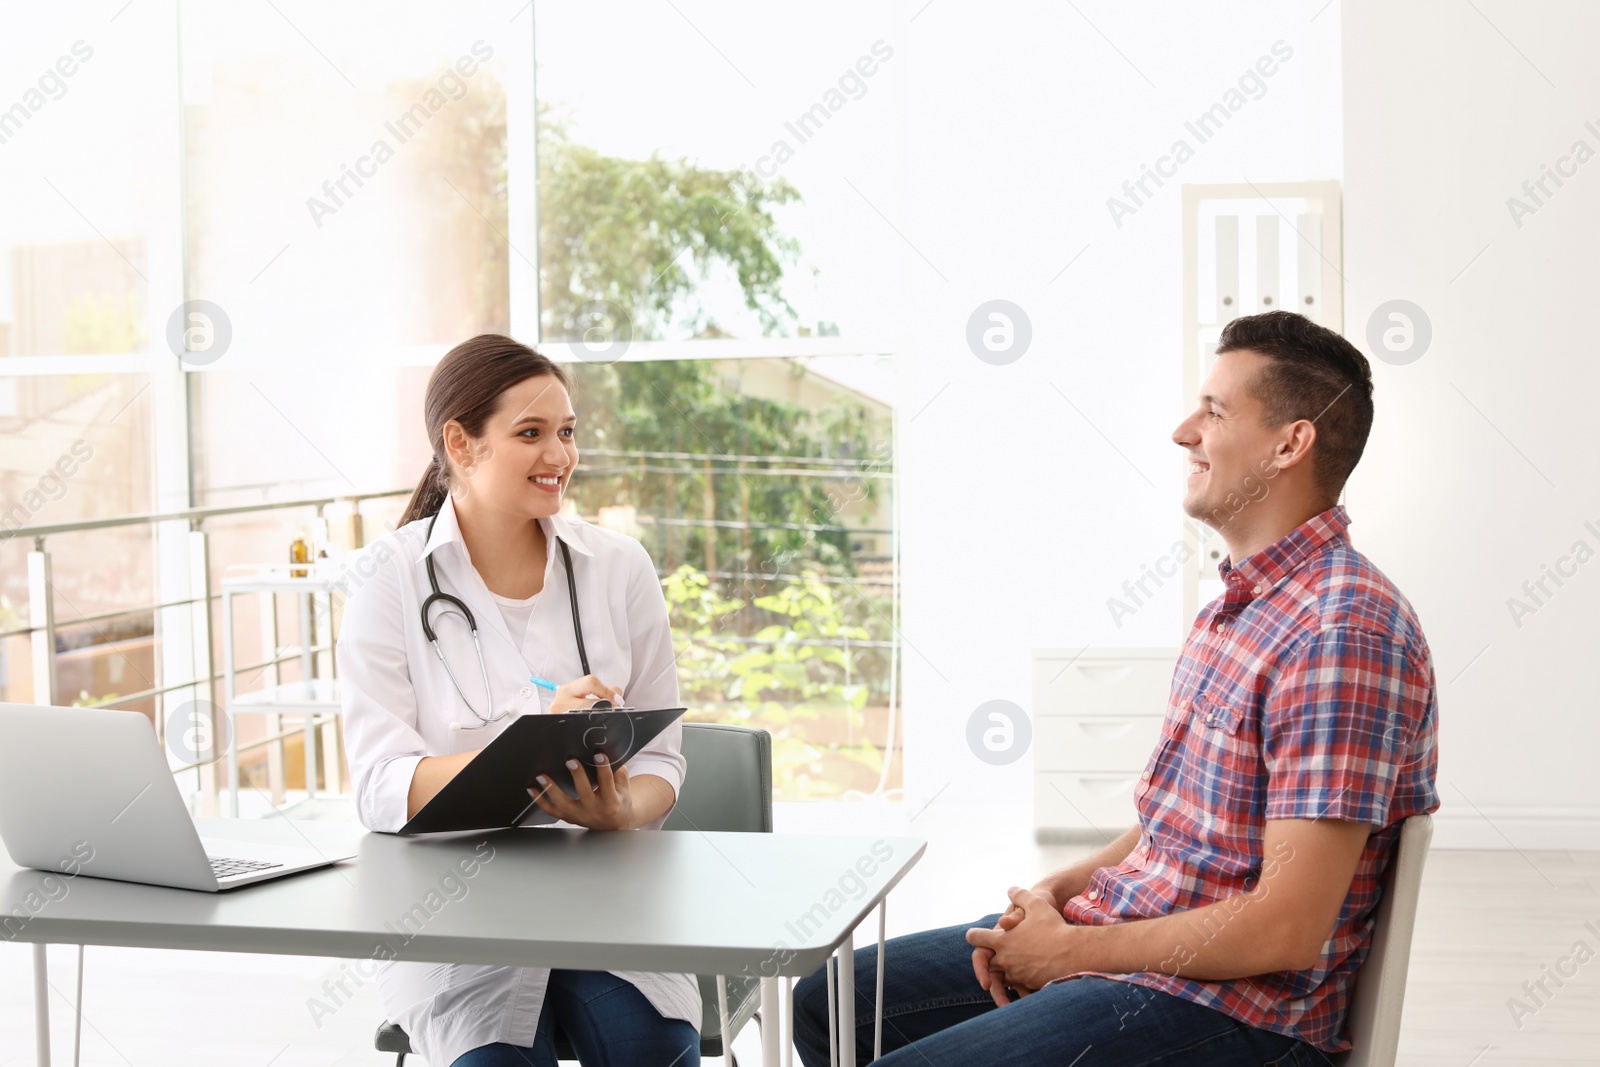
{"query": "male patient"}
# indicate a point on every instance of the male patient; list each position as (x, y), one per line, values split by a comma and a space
(1227, 926)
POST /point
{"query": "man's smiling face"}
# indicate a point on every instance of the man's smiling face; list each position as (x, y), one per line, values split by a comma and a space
(1231, 450)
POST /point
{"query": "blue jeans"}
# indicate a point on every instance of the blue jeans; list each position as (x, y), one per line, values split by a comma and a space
(608, 1022)
(936, 1014)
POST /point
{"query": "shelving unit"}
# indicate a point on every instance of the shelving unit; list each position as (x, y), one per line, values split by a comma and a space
(1249, 248)
(315, 700)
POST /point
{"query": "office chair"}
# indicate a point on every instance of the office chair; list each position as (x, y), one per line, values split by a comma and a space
(727, 788)
(1380, 986)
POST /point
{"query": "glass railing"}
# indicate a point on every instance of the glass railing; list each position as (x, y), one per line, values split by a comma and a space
(158, 657)
(785, 638)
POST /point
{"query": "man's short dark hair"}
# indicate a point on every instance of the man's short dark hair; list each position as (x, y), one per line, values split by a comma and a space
(1311, 373)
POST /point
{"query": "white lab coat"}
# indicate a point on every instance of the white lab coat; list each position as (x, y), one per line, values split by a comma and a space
(398, 704)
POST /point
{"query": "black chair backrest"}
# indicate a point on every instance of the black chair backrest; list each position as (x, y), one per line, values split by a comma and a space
(728, 784)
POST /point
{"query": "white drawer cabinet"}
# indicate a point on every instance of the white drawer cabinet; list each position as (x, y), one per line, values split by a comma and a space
(1094, 743)
(1072, 804)
(1098, 682)
(1097, 720)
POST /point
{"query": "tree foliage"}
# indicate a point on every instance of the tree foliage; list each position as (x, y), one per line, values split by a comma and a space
(626, 231)
(764, 614)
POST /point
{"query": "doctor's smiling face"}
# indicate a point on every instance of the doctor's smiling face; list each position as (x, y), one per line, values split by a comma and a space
(522, 461)
(499, 420)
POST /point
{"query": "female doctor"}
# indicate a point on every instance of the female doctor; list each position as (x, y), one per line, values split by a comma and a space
(550, 597)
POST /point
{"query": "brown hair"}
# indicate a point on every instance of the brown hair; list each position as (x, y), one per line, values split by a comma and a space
(466, 386)
(1311, 373)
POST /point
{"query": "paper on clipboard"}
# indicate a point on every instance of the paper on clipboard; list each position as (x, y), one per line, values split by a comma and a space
(492, 792)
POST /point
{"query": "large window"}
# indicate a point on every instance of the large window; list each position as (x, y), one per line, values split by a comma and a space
(762, 488)
(341, 193)
(693, 207)
(88, 226)
(346, 176)
(687, 223)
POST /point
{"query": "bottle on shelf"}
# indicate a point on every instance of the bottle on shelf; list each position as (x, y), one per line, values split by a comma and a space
(299, 552)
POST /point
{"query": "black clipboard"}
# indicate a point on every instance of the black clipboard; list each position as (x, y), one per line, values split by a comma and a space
(491, 792)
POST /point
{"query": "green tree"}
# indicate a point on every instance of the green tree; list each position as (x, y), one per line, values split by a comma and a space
(679, 407)
(668, 437)
(624, 231)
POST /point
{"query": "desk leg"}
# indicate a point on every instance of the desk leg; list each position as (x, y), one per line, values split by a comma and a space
(41, 1005)
(877, 1018)
(847, 1001)
(833, 1016)
(788, 1022)
(722, 1019)
(77, 1013)
(771, 1025)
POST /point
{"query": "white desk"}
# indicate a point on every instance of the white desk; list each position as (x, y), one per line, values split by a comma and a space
(765, 905)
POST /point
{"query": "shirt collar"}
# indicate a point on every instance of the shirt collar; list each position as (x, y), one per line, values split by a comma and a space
(568, 530)
(1257, 573)
(448, 529)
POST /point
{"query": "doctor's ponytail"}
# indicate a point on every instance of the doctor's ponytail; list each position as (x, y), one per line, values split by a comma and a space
(466, 386)
(428, 497)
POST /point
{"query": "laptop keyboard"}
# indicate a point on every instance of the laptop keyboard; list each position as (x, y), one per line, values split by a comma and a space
(225, 868)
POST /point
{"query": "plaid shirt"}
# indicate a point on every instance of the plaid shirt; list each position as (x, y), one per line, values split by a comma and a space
(1305, 691)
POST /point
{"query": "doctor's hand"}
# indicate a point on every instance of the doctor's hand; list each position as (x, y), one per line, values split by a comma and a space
(581, 694)
(603, 803)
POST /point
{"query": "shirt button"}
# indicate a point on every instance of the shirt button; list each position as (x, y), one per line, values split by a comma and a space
(1256, 590)
(1145, 776)
(1183, 704)
(1221, 627)
(1094, 894)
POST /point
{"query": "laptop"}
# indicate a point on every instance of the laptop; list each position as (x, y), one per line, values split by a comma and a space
(88, 791)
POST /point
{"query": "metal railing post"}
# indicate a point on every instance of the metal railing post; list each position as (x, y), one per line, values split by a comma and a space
(267, 608)
(42, 617)
(205, 687)
(308, 672)
(230, 694)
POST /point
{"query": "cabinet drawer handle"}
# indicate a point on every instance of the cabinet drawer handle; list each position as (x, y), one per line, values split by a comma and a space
(1106, 731)
(1105, 787)
(1105, 674)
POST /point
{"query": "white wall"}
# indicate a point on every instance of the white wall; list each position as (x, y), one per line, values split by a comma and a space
(1019, 518)
(1481, 468)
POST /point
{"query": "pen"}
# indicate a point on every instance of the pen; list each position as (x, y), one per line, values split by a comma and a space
(545, 683)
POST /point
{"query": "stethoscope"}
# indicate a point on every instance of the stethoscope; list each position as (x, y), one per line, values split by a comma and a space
(472, 624)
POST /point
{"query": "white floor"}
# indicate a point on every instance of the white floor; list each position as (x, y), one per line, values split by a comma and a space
(1488, 923)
